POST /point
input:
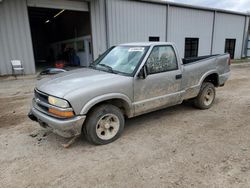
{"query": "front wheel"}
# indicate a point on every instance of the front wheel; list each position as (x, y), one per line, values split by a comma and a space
(104, 124)
(206, 96)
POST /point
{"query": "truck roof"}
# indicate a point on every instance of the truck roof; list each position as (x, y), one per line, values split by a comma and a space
(146, 43)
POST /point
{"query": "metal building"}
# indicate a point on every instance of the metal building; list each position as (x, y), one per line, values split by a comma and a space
(196, 30)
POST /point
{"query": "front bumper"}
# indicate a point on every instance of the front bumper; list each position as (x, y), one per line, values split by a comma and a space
(64, 127)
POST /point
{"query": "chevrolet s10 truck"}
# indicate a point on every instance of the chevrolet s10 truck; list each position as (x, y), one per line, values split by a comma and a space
(126, 81)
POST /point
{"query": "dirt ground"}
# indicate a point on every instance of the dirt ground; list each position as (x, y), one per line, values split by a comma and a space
(176, 147)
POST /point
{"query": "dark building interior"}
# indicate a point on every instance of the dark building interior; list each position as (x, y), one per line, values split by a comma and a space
(50, 26)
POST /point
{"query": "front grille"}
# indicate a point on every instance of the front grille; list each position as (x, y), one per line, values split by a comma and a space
(43, 107)
(41, 96)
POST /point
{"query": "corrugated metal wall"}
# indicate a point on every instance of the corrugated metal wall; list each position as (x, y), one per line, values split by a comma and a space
(183, 22)
(228, 26)
(132, 21)
(98, 27)
(15, 37)
(120, 21)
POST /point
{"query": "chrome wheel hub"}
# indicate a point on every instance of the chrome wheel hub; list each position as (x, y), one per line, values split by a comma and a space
(208, 97)
(107, 126)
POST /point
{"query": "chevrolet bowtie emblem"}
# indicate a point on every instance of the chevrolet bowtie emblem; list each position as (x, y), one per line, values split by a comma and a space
(37, 100)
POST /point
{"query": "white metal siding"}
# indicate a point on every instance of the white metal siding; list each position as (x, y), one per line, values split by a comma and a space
(98, 27)
(248, 53)
(15, 37)
(228, 26)
(183, 22)
(248, 47)
(131, 21)
(127, 21)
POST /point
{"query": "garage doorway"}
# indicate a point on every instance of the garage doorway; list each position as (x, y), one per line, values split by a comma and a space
(60, 37)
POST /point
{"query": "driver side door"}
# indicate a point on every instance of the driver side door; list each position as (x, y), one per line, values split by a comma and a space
(161, 87)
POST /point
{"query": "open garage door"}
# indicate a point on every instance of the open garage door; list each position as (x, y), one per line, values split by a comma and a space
(61, 33)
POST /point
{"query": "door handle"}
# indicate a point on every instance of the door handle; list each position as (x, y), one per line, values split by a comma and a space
(178, 76)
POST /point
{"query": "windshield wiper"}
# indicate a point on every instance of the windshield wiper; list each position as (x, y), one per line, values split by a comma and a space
(110, 69)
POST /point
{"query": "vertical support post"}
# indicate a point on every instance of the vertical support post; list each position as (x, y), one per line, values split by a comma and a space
(107, 24)
(245, 38)
(167, 20)
(212, 38)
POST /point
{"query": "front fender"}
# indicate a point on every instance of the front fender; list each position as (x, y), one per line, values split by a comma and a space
(106, 97)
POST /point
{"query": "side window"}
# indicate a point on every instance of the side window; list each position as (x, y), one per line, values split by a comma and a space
(161, 59)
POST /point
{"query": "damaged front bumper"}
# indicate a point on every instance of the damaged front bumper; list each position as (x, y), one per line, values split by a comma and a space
(64, 127)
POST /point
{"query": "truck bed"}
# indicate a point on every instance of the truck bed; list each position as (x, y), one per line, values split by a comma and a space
(194, 59)
(195, 70)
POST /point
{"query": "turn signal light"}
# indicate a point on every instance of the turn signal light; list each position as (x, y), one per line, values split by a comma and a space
(60, 113)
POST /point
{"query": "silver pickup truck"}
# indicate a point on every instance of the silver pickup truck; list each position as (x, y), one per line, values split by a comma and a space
(126, 81)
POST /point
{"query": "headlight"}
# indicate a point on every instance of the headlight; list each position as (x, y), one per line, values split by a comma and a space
(58, 102)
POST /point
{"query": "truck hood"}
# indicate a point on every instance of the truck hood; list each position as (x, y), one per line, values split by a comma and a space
(61, 84)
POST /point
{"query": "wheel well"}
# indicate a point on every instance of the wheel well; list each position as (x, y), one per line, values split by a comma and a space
(121, 104)
(213, 78)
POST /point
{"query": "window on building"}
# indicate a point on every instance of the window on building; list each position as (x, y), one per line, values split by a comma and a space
(230, 47)
(154, 39)
(161, 59)
(191, 47)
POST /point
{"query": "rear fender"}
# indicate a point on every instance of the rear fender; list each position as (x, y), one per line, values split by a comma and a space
(206, 75)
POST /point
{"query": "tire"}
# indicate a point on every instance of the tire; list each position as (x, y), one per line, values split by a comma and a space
(104, 124)
(206, 96)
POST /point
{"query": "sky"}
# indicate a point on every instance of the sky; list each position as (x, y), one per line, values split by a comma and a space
(234, 5)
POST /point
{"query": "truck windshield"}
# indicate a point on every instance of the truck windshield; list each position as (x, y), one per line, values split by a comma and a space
(121, 59)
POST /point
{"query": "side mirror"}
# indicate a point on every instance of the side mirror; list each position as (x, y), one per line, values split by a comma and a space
(142, 73)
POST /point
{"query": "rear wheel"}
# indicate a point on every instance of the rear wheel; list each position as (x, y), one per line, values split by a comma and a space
(104, 124)
(206, 96)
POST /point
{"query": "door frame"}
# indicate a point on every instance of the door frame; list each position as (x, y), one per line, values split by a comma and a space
(59, 4)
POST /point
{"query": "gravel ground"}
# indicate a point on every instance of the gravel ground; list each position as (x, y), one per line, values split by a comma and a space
(175, 147)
